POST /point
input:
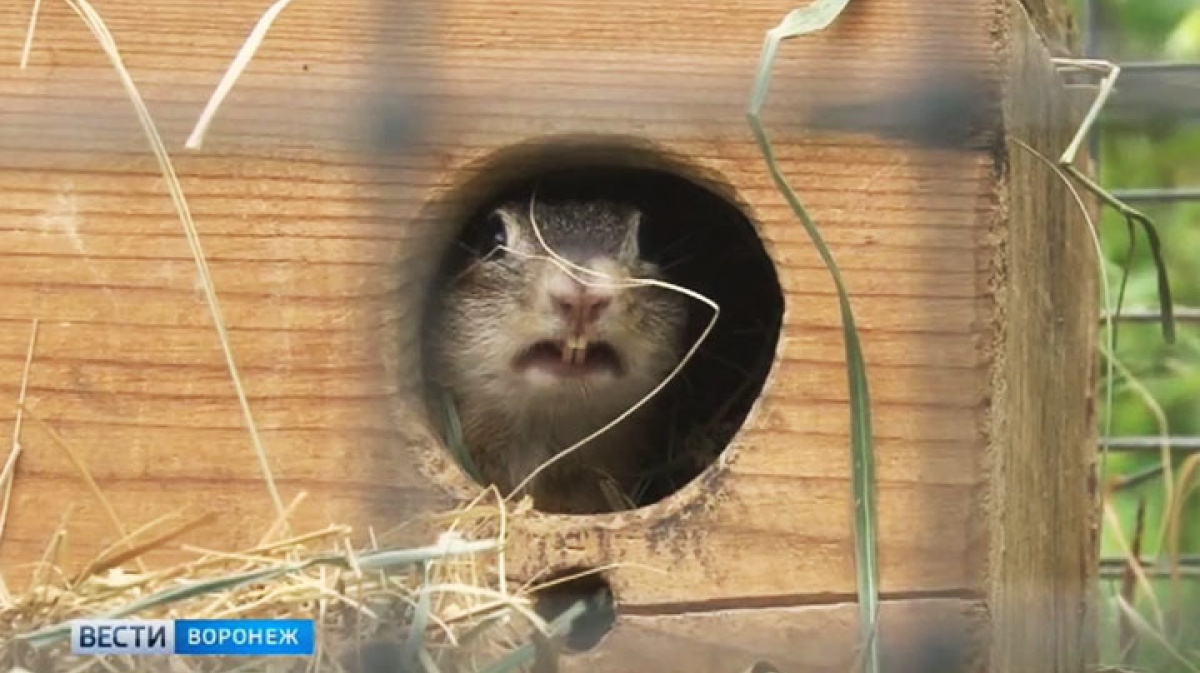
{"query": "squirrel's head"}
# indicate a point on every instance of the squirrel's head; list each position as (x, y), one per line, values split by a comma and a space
(525, 326)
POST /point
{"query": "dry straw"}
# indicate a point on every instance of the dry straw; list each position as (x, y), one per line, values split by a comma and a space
(10, 465)
(96, 25)
(447, 605)
(443, 605)
(249, 48)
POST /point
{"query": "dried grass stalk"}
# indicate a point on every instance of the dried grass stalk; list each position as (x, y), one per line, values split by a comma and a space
(441, 607)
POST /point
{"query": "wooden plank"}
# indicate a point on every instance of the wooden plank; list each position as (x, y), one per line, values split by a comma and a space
(1043, 430)
(917, 636)
(1055, 26)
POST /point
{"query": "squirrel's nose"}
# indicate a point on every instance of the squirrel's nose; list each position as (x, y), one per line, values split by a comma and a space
(583, 307)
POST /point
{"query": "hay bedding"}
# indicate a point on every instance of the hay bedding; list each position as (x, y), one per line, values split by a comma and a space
(443, 607)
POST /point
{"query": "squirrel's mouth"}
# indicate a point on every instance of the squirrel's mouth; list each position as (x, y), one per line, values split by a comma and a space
(571, 357)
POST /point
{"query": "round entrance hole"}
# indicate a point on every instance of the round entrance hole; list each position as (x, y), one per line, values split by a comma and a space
(501, 324)
(586, 600)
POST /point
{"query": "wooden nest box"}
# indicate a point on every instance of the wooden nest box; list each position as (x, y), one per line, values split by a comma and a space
(338, 172)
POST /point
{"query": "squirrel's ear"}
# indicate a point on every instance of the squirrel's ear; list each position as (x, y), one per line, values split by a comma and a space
(633, 224)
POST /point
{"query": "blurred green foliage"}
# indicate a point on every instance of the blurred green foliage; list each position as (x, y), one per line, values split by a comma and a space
(1165, 156)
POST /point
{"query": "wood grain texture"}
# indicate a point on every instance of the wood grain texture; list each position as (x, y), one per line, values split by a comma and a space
(321, 235)
(1058, 29)
(1042, 569)
(918, 636)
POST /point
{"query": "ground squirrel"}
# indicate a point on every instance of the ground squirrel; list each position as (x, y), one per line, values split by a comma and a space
(535, 360)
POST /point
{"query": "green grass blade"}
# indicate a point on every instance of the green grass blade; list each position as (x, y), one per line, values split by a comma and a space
(799, 22)
(515, 661)
(1154, 635)
(415, 641)
(452, 425)
(1132, 216)
(428, 664)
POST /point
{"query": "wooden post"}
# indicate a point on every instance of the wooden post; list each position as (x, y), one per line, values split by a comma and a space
(1042, 570)
(970, 271)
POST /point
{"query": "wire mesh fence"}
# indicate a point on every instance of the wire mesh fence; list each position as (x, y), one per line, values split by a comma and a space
(1154, 100)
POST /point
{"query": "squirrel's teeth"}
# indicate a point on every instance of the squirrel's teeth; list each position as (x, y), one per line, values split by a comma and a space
(575, 350)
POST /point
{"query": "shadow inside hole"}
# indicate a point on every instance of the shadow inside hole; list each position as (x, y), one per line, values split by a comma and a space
(701, 241)
(586, 603)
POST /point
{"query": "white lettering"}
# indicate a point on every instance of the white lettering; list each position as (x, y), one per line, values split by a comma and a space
(122, 636)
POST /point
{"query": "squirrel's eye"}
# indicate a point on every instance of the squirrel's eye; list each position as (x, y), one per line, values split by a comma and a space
(494, 236)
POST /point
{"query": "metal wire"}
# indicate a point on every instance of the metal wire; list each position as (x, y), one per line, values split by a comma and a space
(1151, 444)
(1182, 314)
(1188, 566)
(1115, 567)
(1174, 195)
(1159, 67)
